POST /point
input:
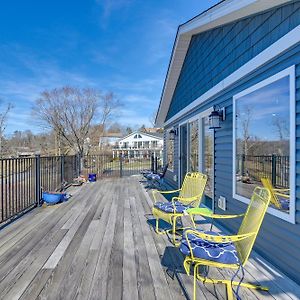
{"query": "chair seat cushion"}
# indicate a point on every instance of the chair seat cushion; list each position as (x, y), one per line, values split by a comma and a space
(153, 176)
(218, 252)
(169, 208)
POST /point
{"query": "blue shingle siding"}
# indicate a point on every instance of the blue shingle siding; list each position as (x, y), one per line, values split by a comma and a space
(279, 241)
(215, 54)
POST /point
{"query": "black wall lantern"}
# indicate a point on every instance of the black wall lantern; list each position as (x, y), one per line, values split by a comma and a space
(172, 134)
(215, 117)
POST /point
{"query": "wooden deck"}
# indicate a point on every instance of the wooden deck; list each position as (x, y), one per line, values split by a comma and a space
(101, 245)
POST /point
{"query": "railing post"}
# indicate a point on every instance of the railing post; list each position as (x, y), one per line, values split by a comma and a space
(274, 171)
(243, 165)
(78, 164)
(121, 165)
(62, 168)
(156, 164)
(37, 179)
(75, 167)
(152, 162)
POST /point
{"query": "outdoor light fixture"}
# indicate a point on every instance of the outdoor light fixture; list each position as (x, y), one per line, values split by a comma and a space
(215, 117)
(172, 134)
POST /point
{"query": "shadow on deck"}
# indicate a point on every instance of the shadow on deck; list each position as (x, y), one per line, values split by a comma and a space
(99, 245)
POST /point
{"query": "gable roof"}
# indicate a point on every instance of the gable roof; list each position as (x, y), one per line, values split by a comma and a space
(222, 13)
(153, 135)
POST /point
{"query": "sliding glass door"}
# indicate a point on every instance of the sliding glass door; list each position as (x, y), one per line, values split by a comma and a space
(207, 160)
(194, 146)
(183, 155)
(197, 152)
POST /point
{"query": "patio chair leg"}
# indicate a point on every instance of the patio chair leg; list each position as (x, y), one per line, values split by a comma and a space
(227, 283)
(195, 282)
(174, 222)
(157, 228)
(229, 293)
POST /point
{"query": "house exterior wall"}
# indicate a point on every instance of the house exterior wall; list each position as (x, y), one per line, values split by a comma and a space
(215, 54)
(212, 56)
(130, 140)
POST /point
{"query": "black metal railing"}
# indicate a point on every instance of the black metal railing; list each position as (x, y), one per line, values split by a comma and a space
(22, 180)
(18, 186)
(106, 165)
(276, 167)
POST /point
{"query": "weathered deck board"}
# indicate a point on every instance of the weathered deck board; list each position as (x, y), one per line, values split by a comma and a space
(99, 245)
(130, 291)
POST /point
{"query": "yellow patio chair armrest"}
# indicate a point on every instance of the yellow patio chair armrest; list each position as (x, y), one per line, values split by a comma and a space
(155, 192)
(218, 238)
(169, 192)
(185, 200)
(281, 190)
(208, 213)
(283, 195)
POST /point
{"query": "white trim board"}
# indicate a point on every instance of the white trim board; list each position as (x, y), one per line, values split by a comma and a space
(290, 217)
(280, 46)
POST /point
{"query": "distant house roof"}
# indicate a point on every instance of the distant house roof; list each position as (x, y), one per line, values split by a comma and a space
(152, 129)
(112, 135)
(155, 135)
(224, 12)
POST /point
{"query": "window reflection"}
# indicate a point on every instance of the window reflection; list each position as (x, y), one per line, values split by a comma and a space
(170, 152)
(263, 141)
(208, 157)
(194, 146)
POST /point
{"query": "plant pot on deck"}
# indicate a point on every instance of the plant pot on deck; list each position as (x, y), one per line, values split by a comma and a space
(54, 197)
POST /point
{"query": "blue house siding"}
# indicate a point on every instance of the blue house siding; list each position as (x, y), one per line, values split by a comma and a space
(279, 241)
(215, 54)
(277, 236)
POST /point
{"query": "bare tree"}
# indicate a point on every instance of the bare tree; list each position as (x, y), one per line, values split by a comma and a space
(281, 127)
(152, 118)
(128, 130)
(143, 128)
(69, 112)
(3, 123)
(109, 105)
(245, 122)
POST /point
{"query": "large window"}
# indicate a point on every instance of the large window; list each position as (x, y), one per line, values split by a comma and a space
(170, 151)
(264, 141)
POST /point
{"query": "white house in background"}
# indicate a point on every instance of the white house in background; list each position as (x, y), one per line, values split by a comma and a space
(139, 145)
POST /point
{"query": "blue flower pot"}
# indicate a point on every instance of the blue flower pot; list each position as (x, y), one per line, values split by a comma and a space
(92, 177)
(53, 198)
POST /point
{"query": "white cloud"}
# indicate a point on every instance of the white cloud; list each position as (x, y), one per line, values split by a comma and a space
(133, 118)
(34, 74)
(111, 5)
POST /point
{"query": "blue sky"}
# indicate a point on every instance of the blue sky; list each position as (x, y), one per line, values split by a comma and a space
(118, 45)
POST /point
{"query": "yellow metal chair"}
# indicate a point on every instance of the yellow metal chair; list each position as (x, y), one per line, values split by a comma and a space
(190, 195)
(213, 250)
(279, 197)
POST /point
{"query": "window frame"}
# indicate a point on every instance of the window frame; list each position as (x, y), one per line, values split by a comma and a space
(290, 71)
(171, 169)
